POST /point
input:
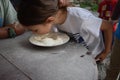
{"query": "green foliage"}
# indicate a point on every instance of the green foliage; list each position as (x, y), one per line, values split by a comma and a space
(93, 6)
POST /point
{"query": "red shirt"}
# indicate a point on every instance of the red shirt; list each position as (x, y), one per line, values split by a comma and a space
(106, 8)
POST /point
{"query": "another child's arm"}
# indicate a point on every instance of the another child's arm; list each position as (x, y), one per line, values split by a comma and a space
(18, 28)
(107, 29)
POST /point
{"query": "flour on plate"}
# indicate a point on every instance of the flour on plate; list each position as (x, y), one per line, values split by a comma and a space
(48, 39)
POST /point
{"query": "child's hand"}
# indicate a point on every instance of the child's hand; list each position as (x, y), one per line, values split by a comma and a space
(101, 56)
(19, 29)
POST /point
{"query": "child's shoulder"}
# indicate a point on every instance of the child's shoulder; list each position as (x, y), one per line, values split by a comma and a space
(77, 10)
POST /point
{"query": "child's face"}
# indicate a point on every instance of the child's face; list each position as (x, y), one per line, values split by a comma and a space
(40, 28)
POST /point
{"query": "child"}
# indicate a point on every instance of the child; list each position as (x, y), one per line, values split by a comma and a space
(8, 17)
(106, 8)
(114, 69)
(40, 15)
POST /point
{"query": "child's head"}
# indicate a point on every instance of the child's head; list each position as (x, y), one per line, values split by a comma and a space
(38, 15)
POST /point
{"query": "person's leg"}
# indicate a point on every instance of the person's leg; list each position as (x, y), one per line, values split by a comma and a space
(114, 69)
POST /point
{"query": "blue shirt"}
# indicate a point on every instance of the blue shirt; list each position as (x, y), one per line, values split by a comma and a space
(1, 22)
(117, 33)
(8, 14)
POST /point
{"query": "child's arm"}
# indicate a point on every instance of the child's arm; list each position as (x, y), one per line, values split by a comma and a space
(107, 29)
(18, 29)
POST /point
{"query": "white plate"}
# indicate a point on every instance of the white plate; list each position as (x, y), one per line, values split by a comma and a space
(64, 37)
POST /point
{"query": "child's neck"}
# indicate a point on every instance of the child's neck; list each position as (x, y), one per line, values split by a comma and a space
(61, 16)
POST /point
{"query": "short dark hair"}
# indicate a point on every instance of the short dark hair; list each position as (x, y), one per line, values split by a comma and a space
(32, 12)
(116, 12)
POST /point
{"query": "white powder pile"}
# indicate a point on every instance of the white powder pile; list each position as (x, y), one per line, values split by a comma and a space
(49, 39)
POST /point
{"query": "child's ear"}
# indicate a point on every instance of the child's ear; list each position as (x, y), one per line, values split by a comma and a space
(50, 19)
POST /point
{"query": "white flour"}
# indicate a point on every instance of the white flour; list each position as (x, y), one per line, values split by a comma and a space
(48, 39)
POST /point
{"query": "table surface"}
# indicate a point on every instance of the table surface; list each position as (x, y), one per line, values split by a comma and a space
(65, 62)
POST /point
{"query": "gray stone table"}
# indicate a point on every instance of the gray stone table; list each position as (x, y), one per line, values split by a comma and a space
(65, 62)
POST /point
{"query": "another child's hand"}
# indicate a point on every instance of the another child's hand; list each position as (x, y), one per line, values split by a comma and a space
(19, 29)
(101, 56)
